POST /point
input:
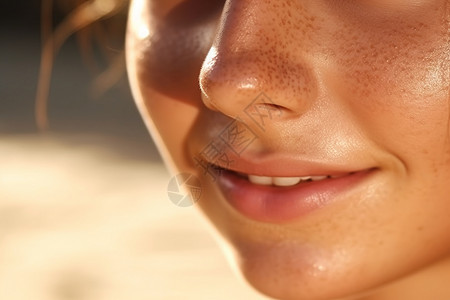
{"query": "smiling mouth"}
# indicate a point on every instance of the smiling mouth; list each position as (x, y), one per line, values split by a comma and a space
(280, 181)
(280, 199)
(288, 181)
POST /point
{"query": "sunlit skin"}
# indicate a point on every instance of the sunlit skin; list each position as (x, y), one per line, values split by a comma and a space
(360, 83)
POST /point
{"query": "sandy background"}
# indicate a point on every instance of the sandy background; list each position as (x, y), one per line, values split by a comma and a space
(79, 221)
(84, 211)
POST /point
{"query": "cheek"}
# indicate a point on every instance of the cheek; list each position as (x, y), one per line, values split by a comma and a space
(396, 82)
(170, 56)
(401, 59)
(170, 123)
(171, 62)
(163, 70)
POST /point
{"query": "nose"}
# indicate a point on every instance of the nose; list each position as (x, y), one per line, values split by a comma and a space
(258, 49)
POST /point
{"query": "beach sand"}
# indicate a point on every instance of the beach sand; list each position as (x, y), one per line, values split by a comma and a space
(80, 221)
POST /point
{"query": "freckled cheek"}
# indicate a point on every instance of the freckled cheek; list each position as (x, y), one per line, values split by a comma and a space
(396, 80)
(404, 97)
(415, 80)
(408, 87)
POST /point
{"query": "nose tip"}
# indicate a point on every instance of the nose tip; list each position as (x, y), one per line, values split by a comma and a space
(227, 85)
(231, 82)
(249, 57)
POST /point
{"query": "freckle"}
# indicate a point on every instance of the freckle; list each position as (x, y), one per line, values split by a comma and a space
(420, 228)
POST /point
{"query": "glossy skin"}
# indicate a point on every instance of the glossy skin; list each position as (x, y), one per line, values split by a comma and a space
(363, 83)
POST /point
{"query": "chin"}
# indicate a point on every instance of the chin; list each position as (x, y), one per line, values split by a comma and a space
(291, 273)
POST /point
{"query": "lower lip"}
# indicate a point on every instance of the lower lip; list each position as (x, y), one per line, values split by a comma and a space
(283, 204)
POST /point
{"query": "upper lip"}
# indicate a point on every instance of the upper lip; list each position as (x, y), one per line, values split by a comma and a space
(278, 165)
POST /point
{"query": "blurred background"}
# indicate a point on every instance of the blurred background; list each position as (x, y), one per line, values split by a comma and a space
(84, 211)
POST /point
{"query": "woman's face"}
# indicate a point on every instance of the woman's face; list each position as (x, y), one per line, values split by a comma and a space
(352, 92)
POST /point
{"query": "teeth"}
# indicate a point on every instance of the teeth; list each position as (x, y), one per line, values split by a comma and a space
(282, 181)
(286, 181)
(262, 180)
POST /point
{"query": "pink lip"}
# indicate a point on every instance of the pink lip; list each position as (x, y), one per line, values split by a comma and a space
(282, 204)
(282, 165)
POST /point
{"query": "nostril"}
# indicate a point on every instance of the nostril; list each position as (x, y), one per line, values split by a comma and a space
(264, 112)
(270, 107)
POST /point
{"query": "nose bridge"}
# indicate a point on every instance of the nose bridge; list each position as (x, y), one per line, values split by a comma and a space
(257, 50)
